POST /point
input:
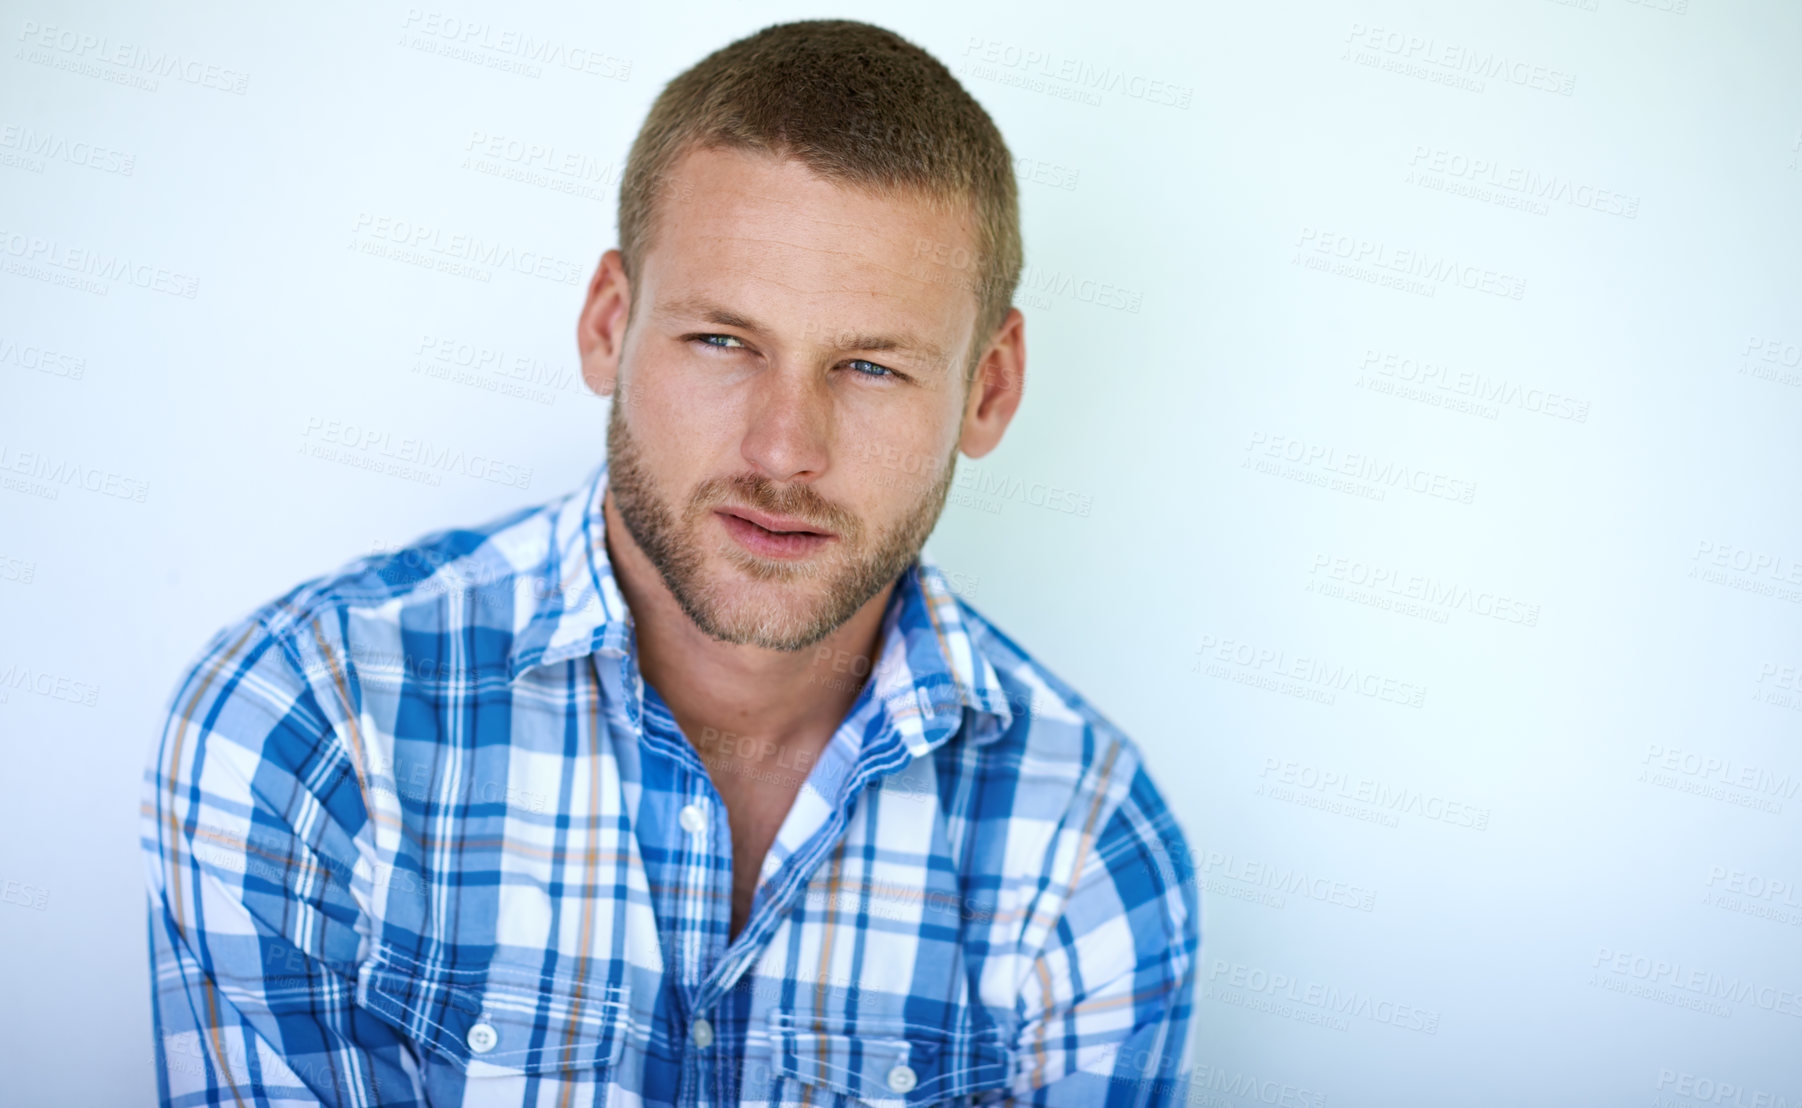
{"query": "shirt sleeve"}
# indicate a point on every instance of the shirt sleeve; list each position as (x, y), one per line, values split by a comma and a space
(1105, 1009)
(249, 823)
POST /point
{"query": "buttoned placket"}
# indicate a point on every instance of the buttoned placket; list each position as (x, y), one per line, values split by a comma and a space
(704, 964)
(692, 897)
(705, 834)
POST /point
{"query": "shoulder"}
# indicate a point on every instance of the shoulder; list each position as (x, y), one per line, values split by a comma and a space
(1085, 780)
(466, 568)
(369, 612)
(1054, 730)
(448, 566)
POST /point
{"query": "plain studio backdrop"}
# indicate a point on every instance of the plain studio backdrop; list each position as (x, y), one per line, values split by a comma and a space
(1409, 462)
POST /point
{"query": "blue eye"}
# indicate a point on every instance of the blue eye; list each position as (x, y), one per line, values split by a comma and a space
(720, 342)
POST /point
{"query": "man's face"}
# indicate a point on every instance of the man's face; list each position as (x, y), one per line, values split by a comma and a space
(791, 393)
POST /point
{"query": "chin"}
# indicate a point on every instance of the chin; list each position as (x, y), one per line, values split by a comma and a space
(734, 608)
(771, 630)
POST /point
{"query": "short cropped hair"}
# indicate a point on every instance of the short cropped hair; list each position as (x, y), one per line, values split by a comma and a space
(859, 105)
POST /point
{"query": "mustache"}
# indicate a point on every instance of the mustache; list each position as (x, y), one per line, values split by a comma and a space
(756, 491)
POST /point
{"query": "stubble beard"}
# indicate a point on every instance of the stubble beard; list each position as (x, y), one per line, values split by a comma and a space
(792, 605)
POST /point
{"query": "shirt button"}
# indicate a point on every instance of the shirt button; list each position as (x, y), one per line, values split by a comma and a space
(901, 1078)
(482, 1038)
(702, 1033)
(692, 818)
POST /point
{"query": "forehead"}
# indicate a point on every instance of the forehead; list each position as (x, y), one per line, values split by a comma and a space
(762, 232)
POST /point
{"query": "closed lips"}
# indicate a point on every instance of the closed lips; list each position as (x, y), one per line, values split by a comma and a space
(775, 524)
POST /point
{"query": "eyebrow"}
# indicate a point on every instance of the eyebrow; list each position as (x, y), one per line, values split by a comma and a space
(707, 310)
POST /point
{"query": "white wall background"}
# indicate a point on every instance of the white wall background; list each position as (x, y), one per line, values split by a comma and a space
(1546, 848)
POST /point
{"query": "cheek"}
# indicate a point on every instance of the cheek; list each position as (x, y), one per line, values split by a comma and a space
(897, 462)
(915, 433)
(679, 423)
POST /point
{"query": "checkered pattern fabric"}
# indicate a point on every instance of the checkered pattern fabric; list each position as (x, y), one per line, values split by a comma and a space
(418, 832)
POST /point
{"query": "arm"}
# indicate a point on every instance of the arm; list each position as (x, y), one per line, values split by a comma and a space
(1105, 1009)
(251, 810)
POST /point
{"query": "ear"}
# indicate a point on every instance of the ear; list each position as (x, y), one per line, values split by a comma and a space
(601, 326)
(996, 391)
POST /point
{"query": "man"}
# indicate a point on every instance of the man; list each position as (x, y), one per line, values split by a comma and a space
(697, 786)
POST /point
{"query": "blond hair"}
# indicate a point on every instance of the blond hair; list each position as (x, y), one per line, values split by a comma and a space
(859, 105)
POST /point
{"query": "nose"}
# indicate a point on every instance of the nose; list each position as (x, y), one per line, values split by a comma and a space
(788, 430)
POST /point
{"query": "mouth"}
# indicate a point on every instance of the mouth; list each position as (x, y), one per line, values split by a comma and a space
(773, 536)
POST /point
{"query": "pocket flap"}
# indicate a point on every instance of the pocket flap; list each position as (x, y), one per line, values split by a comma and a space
(884, 1062)
(498, 1019)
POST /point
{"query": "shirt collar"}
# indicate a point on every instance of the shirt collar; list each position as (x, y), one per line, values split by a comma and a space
(929, 670)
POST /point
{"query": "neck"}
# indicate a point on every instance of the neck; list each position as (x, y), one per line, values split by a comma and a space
(793, 699)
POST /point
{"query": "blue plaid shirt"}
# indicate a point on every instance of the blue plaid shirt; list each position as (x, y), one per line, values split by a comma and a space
(418, 832)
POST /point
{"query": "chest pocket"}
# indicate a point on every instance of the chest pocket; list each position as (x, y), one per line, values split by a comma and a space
(839, 1062)
(487, 1025)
